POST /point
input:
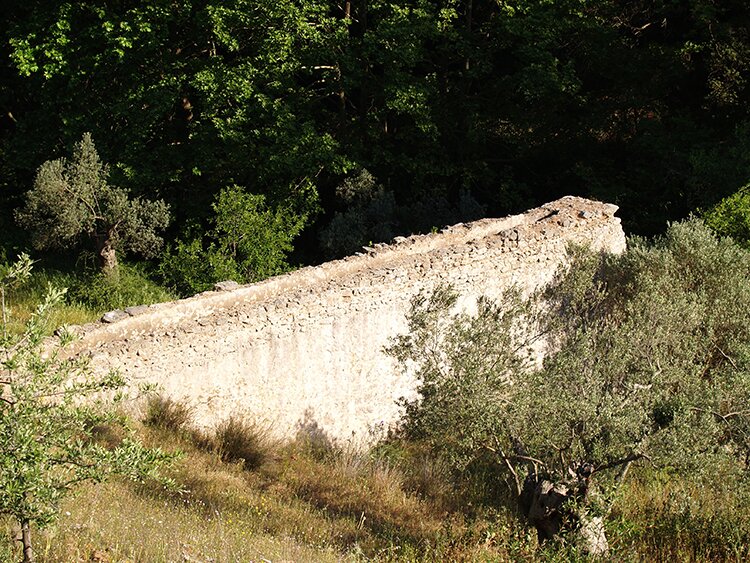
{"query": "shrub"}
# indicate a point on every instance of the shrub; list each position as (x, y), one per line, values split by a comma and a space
(731, 216)
(249, 241)
(368, 213)
(168, 414)
(129, 287)
(237, 439)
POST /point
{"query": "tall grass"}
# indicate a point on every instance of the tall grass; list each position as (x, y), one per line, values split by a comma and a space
(23, 301)
(89, 295)
(660, 518)
(237, 439)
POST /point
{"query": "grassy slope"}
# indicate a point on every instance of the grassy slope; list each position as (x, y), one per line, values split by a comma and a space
(305, 503)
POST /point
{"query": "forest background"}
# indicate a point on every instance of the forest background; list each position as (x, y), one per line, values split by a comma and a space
(324, 126)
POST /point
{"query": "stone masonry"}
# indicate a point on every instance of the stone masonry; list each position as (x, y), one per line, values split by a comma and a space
(306, 348)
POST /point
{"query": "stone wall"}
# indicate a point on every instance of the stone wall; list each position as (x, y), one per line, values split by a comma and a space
(306, 348)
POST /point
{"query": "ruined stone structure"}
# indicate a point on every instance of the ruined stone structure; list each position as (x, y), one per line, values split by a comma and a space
(306, 348)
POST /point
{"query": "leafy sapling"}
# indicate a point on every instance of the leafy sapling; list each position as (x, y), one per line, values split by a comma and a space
(50, 406)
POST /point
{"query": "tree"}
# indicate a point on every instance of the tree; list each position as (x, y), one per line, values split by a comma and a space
(648, 361)
(195, 95)
(516, 103)
(731, 216)
(249, 242)
(72, 198)
(50, 407)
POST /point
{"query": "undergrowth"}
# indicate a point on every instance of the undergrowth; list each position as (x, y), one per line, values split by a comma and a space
(89, 295)
(394, 503)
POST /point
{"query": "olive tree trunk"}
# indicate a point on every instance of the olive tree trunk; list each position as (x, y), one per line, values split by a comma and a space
(561, 509)
(28, 553)
(106, 255)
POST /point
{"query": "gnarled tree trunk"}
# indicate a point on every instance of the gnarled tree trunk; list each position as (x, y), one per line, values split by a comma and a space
(106, 255)
(559, 509)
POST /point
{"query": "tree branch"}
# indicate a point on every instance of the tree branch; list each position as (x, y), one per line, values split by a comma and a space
(629, 459)
(730, 360)
(515, 457)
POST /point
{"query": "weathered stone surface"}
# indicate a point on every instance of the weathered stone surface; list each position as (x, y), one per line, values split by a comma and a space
(114, 316)
(227, 285)
(308, 345)
(136, 310)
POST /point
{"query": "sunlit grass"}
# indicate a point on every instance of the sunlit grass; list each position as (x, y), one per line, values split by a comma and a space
(125, 525)
(22, 302)
(89, 295)
(303, 503)
(660, 518)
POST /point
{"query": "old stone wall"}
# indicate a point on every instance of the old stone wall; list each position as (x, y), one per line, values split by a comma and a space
(306, 348)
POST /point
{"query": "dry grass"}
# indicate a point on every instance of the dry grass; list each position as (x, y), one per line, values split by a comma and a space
(294, 507)
(329, 504)
(663, 519)
(237, 439)
(114, 522)
(167, 414)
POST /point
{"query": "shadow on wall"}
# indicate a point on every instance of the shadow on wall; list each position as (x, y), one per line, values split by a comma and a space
(311, 436)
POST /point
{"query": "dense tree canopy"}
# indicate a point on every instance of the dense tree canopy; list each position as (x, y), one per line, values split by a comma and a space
(502, 104)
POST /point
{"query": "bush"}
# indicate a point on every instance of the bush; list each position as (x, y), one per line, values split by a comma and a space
(731, 217)
(236, 439)
(249, 241)
(369, 213)
(168, 414)
(129, 287)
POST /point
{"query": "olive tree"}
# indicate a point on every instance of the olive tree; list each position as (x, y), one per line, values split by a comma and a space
(50, 407)
(73, 199)
(647, 362)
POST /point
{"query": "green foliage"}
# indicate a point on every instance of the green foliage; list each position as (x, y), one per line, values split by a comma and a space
(206, 94)
(253, 238)
(187, 268)
(466, 365)
(99, 292)
(731, 216)
(72, 198)
(369, 216)
(648, 361)
(653, 357)
(49, 407)
(513, 103)
(369, 213)
(25, 299)
(249, 242)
